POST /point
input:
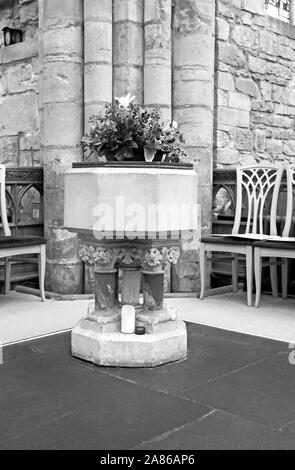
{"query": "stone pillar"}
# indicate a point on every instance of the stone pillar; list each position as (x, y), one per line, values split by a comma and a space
(128, 48)
(97, 56)
(130, 288)
(106, 288)
(41, 77)
(157, 55)
(193, 109)
(153, 290)
(61, 34)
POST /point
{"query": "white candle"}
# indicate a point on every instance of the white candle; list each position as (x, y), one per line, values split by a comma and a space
(128, 319)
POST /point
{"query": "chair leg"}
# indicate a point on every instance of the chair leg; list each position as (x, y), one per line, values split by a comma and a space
(7, 275)
(42, 266)
(249, 274)
(274, 277)
(284, 278)
(258, 269)
(234, 271)
(202, 259)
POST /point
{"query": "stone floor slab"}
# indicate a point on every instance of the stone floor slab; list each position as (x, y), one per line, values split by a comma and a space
(222, 431)
(234, 391)
(207, 358)
(63, 405)
(263, 391)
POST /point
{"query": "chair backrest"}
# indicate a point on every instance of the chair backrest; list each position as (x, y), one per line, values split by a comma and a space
(260, 184)
(290, 170)
(3, 210)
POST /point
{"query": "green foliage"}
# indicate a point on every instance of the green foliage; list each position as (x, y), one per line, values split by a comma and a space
(125, 126)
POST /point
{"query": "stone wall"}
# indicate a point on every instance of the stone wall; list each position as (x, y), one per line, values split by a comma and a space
(193, 41)
(255, 85)
(20, 14)
(168, 53)
(19, 87)
(61, 113)
(162, 52)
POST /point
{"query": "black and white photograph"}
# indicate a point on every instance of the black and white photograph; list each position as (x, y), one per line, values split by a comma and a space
(147, 236)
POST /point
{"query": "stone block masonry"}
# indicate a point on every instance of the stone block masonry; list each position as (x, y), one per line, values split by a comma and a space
(193, 30)
(61, 56)
(158, 56)
(128, 53)
(20, 14)
(98, 54)
(163, 53)
(82, 55)
(19, 87)
(222, 69)
(255, 85)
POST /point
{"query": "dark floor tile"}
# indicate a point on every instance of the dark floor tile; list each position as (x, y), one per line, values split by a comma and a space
(57, 347)
(289, 427)
(262, 392)
(28, 411)
(192, 329)
(90, 410)
(48, 399)
(27, 374)
(208, 358)
(59, 343)
(14, 351)
(222, 431)
(212, 332)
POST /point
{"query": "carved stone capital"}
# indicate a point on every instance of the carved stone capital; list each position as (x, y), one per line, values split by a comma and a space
(153, 258)
(103, 255)
(86, 254)
(97, 255)
(156, 258)
(129, 255)
(171, 255)
(149, 258)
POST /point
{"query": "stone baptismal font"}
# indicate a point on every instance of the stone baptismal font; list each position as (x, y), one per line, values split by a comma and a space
(133, 217)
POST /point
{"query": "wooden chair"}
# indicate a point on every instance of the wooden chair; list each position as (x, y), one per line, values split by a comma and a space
(20, 245)
(278, 247)
(257, 188)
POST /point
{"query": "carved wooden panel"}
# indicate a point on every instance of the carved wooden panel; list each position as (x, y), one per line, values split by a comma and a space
(25, 210)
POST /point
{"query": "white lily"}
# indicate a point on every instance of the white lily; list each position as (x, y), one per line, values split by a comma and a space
(169, 124)
(125, 101)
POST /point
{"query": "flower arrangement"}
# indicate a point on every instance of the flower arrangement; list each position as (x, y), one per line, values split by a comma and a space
(126, 128)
